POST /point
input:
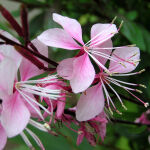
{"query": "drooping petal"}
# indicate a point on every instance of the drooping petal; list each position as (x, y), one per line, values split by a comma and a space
(90, 103)
(10, 51)
(8, 71)
(28, 69)
(83, 74)
(58, 38)
(65, 68)
(70, 25)
(102, 32)
(128, 56)
(15, 115)
(3, 137)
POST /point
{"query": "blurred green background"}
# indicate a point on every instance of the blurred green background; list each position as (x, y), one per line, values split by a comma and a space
(135, 30)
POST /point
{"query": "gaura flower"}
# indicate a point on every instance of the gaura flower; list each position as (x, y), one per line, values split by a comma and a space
(91, 102)
(79, 70)
(18, 102)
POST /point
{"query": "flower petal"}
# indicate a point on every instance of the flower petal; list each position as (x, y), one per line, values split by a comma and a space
(15, 115)
(83, 74)
(70, 25)
(8, 71)
(90, 104)
(10, 51)
(102, 32)
(3, 137)
(58, 38)
(65, 68)
(127, 56)
(27, 72)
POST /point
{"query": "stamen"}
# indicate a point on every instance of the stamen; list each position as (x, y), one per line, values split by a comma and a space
(26, 140)
(120, 25)
(114, 19)
(142, 86)
(37, 140)
(139, 91)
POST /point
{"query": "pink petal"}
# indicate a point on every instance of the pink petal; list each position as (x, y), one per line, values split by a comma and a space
(103, 32)
(72, 26)
(83, 74)
(123, 55)
(8, 71)
(65, 68)
(29, 70)
(90, 104)
(10, 51)
(106, 44)
(3, 137)
(58, 38)
(60, 108)
(15, 115)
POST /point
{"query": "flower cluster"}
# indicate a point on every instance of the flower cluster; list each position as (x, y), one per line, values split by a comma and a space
(29, 98)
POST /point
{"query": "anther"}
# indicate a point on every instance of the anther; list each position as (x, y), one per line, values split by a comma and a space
(141, 85)
(139, 91)
(122, 64)
(110, 110)
(146, 104)
(133, 45)
(141, 71)
(46, 125)
(119, 112)
(80, 132)
(121, 25)
(124, 107)
(114, 19)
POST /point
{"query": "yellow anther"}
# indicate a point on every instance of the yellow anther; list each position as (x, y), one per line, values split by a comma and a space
(142, 86)
(110, 110)
(139, 91)
(46, 125)
(121, 24)
(80, 132)
(114, 19)
(119, 112)
(124, 107)
(142, 71)
(122, 64)
(133, 45)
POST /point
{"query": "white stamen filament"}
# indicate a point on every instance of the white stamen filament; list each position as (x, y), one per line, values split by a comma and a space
(97, 35)
(41, 91)
(116, 83)
(127, 83)
(116, 94)
(98, 63)
(37, 140)
(26, 140)
(29, 100)
(107, 95)
(38, 125)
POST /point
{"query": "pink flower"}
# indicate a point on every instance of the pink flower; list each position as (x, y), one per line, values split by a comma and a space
(79, 70)
(18, 102)
(91, 102)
